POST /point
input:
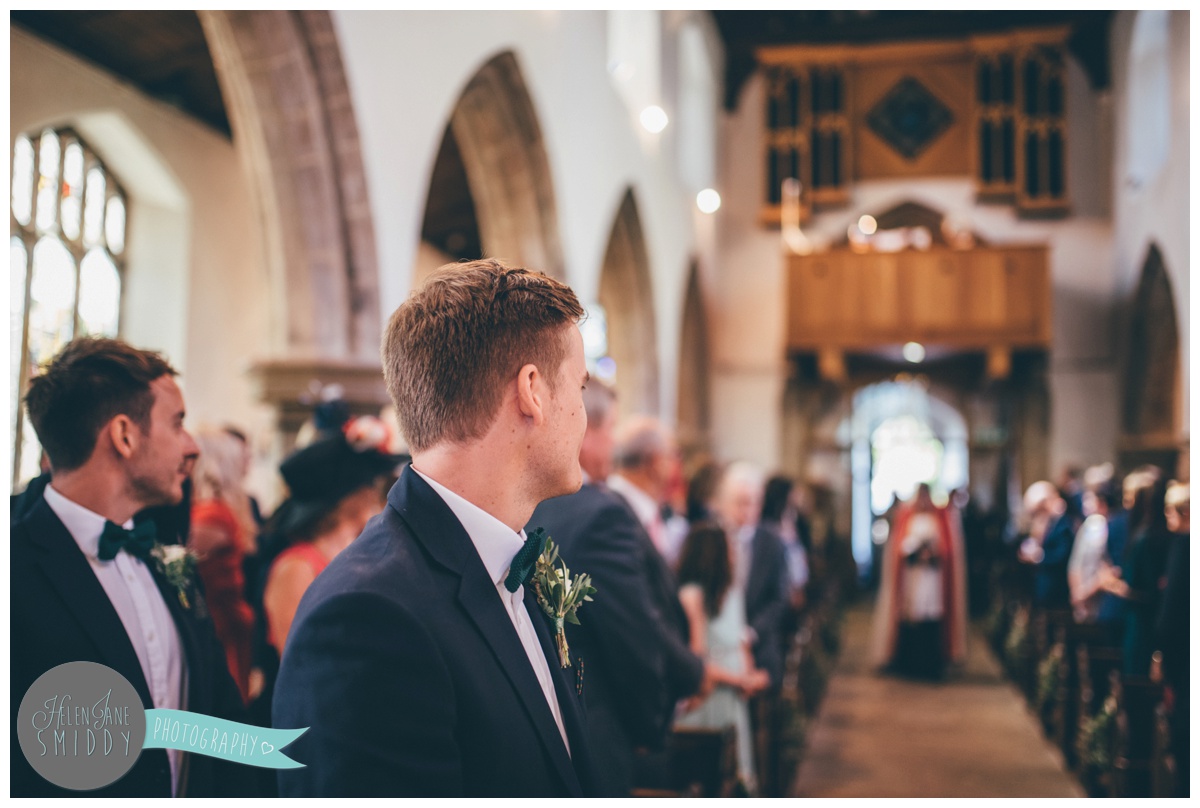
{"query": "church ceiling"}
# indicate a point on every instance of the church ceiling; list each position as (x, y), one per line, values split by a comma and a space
(165, 55)
(745, 31)
(162, 53)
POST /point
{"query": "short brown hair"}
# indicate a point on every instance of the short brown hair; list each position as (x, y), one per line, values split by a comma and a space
(450, 348)
(91, 381)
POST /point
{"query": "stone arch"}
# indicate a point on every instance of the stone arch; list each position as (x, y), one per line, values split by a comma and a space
(693, 404)
(626, 293)
(491, 184)
(289, 106)
(1150, 392)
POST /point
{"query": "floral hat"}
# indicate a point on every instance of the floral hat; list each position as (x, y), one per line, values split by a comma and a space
(325, 472)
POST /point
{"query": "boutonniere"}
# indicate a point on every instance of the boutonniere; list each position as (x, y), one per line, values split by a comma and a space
(178, 565)
(560, 595)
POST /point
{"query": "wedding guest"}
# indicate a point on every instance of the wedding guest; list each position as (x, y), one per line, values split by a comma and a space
(645, 456)
(759, 564)
(700, 492)
(335, 487)
(1173, 632)
(1089, 556)
(89, 586)
(781, 514)
(420, 659)
(222, 530)
(716, 613)
(634, 637)
(1140, 582)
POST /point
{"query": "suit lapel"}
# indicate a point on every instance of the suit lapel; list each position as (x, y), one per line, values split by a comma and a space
(185, 624)
(70, 574)
(564, 681)
(434, 525)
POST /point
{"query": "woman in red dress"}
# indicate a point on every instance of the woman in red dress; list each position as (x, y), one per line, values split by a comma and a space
(223, 531)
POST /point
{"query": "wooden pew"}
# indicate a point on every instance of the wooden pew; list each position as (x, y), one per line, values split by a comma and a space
(1138, 699)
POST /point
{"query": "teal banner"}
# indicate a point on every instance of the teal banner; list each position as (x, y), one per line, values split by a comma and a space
(216, 737)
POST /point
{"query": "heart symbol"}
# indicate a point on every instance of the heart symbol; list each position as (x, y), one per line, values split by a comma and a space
(267, 748)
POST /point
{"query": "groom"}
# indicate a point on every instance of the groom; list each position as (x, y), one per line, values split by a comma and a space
(419, 664)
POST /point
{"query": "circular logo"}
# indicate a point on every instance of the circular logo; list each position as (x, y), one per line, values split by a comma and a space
(81, 725)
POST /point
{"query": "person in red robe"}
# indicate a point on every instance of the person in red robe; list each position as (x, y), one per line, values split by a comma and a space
(920, 615)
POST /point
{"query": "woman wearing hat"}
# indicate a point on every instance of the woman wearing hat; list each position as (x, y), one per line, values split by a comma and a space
(335, 486)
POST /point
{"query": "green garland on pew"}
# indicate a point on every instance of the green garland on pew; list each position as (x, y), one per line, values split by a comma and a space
(1015, 645)
(1098, 735)
(1049, 676)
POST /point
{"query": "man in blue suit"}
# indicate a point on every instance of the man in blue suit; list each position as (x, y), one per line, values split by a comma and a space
(636, 648)
(420, 659)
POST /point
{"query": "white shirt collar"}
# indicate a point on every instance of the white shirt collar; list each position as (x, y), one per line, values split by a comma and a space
(495, 541)
(643, 505)
(84, 525)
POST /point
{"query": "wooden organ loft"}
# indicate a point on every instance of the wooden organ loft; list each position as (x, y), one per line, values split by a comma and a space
(992, 107)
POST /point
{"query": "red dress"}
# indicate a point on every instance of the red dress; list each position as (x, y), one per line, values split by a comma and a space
(316, 561)
(220, 568)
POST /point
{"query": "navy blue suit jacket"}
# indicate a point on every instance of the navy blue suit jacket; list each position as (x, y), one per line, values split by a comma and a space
(409, 673)
(767, 600)
(637, 656)
(61, 613)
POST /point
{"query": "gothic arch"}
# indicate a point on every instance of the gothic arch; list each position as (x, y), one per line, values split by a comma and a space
(1150, 391)
(627, 295)
(693, 406)
(289, 105)
(490, 191)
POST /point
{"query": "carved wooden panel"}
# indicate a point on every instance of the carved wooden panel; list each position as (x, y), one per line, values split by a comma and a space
(948, 152)
(989, 297)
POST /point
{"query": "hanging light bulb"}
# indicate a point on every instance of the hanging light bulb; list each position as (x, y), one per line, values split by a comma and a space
(654, 119)
(708, 200)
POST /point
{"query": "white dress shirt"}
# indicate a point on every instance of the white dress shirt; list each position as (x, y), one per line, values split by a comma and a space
(135, 596)
(497, 545)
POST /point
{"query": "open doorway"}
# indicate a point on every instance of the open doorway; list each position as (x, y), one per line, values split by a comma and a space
(900, 436)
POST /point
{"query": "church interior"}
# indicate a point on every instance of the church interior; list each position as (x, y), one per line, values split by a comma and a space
(864, 249)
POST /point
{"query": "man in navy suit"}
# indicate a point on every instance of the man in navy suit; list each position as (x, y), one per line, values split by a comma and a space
(110, 418)
(420, 659)
(638, 660)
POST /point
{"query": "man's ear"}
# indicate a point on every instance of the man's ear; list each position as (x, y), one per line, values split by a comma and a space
(531, 393)
(124, 435)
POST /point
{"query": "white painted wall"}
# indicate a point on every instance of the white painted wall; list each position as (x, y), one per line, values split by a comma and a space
(195, 285)
(406, 71)
(1156, 210)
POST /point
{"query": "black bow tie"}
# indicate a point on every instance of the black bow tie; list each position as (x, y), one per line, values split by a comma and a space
(137, 542)
(525, 560)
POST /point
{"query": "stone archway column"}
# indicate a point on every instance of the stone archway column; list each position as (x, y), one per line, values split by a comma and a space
(289, 105)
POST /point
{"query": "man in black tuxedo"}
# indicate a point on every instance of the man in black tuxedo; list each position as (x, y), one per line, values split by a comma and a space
(110, 418)
(638, 660)
(760, 564)
(420, 658)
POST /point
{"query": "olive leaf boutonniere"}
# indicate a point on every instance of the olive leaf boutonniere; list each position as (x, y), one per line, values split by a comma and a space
(560, 595)
(178, 565)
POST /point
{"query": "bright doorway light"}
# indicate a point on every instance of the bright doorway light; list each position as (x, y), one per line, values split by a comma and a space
(914, 352)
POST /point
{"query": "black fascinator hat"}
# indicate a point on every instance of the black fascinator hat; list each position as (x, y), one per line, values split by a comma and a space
(325, 472)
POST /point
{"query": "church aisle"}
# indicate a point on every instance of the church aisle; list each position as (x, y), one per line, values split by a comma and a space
(877, 736)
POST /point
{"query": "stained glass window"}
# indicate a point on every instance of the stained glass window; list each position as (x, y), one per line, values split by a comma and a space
(65, 253)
